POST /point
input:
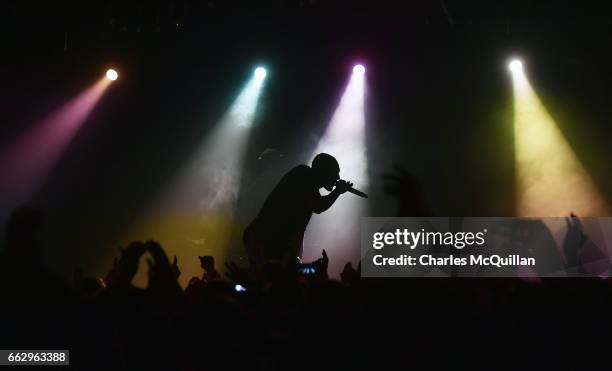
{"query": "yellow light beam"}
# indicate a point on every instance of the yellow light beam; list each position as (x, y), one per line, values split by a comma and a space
(551, 181)
(194, 216)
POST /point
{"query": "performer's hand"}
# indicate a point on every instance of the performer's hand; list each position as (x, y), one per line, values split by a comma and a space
(342, 186)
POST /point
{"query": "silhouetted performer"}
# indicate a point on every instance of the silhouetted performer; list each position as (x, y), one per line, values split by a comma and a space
(278, 230)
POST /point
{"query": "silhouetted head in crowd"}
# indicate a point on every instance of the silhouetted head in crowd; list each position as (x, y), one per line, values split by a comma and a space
(326, 170)
(23, 234)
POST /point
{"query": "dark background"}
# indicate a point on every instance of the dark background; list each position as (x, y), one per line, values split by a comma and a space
(439, 94)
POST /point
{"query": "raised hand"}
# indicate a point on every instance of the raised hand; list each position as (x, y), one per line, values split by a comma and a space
(574, 239)
(176, 272)
(406, 187)
(322, 264)
(125, 267)
(349, 275)
(161, 272)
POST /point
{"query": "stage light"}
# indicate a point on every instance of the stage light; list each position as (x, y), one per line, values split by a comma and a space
(194, 214)
(112, 74)
(260, 73)
(515, 66)
(359, 69)
(27, 161)
(551, 181)
(344, 139)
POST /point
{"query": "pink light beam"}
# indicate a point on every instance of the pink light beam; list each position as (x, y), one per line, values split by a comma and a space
(25, 164)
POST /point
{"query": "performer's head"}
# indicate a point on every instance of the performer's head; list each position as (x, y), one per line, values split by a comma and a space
(326, 170)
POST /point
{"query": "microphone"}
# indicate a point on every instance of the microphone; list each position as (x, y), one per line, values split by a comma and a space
(357, 192)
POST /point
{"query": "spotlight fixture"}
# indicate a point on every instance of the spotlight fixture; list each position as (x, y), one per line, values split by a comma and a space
(515, 66)
(359, 69)
(112, 74)
(260, 73)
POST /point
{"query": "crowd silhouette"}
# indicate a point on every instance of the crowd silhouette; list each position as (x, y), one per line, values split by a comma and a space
(282, 318)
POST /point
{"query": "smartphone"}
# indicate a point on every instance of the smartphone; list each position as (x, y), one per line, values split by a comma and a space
(307, 269)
